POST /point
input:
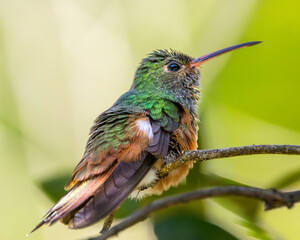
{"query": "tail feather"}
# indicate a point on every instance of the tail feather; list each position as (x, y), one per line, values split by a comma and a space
(92, 200)
(36, 228)
(73, 199)
(113, 192)
(77, 196)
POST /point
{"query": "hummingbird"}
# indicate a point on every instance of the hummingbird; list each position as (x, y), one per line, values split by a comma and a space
(148, 127)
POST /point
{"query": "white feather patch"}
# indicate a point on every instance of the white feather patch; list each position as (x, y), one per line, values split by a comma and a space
(145, 126)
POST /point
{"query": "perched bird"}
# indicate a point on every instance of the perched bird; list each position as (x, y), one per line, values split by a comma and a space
(148, 127)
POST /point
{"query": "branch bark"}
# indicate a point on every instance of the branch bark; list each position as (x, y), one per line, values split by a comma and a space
(271, 197)
(209, 154)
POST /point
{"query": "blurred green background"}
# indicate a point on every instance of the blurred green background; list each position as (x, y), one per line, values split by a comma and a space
(63, 62)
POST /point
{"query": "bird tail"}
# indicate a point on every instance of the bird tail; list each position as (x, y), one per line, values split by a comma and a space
(93, 199)
(73, 199)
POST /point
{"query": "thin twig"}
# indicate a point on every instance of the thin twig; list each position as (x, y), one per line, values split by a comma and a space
(271, 197)
(202, 155)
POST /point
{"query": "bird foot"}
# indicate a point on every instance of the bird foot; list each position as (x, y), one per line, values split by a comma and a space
(169, 167)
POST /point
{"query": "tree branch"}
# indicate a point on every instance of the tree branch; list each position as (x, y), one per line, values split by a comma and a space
(202, 155)
(271, 197)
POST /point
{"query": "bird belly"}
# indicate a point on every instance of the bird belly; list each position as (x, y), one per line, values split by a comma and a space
(173, 179)
(147, 182)
(155, 186)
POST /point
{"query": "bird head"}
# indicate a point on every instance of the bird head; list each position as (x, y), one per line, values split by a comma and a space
(171, 73)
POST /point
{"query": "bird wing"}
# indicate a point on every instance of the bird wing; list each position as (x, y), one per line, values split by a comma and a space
(122, 148)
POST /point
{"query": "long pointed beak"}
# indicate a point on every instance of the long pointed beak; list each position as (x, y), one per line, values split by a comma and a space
(200, 60)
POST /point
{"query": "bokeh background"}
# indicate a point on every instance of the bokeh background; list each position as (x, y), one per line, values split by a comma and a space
(63, 62)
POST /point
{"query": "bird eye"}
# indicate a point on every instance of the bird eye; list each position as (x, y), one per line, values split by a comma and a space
(174, 67)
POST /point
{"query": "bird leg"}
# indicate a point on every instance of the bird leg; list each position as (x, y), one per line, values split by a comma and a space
(108, 221)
